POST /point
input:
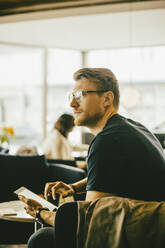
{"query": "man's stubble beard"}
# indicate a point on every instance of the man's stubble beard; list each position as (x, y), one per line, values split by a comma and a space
(89, 121)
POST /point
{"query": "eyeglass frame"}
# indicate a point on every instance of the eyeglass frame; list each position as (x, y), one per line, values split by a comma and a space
(83, 93)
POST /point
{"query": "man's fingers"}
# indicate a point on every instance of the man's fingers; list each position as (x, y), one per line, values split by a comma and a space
(46, 191)
(54, 192)
(65, 194)
(28, 201)
(30, 211)
(57, 188)
(23, 198)
(48, 187)
(60, 188)
(32, 203)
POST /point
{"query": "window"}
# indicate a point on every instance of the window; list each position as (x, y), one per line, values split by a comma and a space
(143, 69)
(21, 91)
(144, 64)
(61, 66)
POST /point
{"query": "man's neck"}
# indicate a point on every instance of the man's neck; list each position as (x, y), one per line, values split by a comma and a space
(100, 125)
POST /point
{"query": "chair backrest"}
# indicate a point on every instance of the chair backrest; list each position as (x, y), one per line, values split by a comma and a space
(16, 171)
(62, 161)
(65, 173)
(161, 138)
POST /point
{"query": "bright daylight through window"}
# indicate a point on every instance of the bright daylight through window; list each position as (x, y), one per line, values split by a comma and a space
(22, 86)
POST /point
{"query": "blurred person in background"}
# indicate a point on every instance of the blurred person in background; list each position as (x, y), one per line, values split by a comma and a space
(56, 144)
(27, 150)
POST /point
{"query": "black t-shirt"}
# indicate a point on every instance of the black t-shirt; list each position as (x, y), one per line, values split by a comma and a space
(126, 159)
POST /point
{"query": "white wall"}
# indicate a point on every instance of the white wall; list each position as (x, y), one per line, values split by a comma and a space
(109, 30)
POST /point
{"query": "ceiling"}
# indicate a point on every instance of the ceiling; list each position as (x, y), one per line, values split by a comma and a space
(86, 28)
(12, 7)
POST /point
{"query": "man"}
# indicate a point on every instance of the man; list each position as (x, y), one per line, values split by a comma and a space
(124, 159)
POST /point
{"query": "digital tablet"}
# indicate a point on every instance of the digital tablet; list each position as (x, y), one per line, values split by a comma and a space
(29, 194)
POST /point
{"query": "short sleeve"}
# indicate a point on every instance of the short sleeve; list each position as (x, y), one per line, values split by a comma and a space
(104, 165)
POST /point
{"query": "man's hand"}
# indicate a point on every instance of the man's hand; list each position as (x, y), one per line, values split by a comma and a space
(58, 188)
(31, 205)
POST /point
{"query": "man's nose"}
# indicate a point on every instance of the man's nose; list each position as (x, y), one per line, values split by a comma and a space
(73, 103)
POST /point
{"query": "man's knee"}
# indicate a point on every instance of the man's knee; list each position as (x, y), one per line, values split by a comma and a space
(44, 237)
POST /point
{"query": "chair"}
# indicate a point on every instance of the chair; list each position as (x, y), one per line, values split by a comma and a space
(67, 174)
(62, 172)
(161, 138)
(32, 172)
(17, 171)
(62, 161)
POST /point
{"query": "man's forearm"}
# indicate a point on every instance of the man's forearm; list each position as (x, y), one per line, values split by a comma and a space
(48, 217)
(80, 186)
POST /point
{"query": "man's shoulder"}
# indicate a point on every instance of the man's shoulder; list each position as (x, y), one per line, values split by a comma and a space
(122, 126)
(110, 133)
(103, 140)
(119, 131)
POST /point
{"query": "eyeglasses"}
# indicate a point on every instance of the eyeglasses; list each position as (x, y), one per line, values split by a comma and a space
(79, 94)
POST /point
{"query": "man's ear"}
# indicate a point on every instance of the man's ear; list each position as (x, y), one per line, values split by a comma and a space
(108, 98)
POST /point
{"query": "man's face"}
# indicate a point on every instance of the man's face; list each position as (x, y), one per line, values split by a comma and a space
(89, 109)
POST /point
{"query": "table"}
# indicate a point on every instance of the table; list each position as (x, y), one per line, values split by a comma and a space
(14, 211)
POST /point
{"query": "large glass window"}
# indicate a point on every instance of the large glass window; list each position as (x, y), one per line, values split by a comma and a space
(141, 76)
(61, 66)
(22, 86)
(145, 64)
(21, 91)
